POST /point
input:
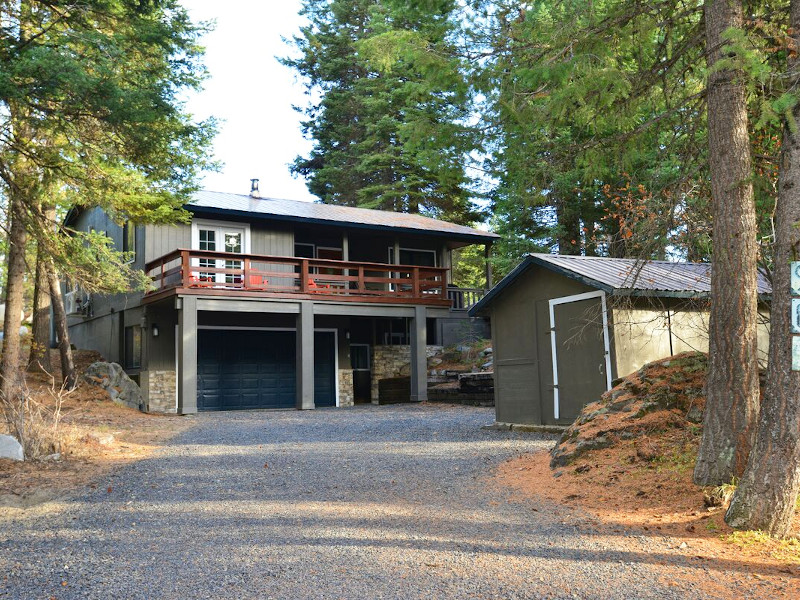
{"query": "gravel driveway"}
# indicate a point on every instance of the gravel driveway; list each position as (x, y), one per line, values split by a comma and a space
(361, 503)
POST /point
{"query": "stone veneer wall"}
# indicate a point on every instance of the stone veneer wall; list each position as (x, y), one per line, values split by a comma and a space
(161, 392)
(346, 394)
(392, 361)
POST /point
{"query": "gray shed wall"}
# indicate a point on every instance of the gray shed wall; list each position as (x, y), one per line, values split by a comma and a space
(523, 366)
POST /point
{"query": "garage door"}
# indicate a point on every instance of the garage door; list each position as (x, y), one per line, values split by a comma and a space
(242, 369)
(245, 369)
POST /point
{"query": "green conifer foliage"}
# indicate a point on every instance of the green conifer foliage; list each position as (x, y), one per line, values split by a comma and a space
(389, 119)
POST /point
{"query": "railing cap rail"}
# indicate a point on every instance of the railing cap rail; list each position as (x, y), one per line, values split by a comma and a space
(175, 254)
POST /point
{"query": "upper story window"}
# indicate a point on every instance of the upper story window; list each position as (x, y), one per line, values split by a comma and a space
(129, 240)
(220, 236)
(207, 239)
(414, 256)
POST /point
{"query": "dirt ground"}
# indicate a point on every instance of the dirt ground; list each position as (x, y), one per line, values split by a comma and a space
(659, 500)
(97, 435)
(627, 461)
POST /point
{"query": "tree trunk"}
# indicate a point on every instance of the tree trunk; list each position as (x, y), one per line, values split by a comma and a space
(766, 495)
(39, 357)
(68, 374)
(729, 423)
(17, 238)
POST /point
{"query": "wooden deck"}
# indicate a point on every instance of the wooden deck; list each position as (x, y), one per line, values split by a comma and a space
(199, 272)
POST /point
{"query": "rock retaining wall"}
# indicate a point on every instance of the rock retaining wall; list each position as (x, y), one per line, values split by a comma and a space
(393, 361)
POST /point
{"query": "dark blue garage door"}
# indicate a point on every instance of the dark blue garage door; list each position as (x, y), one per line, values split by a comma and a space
(245, 369)
(242, 369)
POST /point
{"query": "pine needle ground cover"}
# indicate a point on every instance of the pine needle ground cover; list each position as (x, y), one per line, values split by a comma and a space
(628, 460)
(96, 435)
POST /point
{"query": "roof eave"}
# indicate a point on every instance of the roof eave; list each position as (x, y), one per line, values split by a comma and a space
(487, 238)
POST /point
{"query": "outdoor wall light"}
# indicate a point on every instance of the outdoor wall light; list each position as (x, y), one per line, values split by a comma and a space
(155, 330)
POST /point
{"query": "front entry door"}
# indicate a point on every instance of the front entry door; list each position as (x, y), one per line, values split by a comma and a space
(324, 369)
(580, 356)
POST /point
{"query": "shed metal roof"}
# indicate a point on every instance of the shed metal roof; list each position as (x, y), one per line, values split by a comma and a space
(314, 212)
(623, 276)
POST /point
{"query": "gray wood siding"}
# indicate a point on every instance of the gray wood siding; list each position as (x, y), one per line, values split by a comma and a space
(102, 305)
(521, 341)
(160, 351)
(271, 242)
(162, 239)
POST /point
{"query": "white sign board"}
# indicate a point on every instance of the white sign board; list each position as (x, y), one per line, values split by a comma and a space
(795, 281)
(795, 318)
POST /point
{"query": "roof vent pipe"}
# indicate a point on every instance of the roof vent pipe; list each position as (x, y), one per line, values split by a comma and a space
(254, 193)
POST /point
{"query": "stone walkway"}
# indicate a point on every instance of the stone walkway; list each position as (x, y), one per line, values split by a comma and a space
(361, 503)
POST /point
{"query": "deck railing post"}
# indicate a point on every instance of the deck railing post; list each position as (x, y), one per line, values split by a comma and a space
(415, 282)
(304, 275)
(185, 266)
(361, 287)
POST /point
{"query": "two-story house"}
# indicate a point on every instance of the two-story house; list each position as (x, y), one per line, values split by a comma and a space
(265, 303)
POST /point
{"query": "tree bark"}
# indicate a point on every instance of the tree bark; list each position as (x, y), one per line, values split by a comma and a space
(68, 374)
(732, 390)
(39, 357)
(15, 284)
(766, 495)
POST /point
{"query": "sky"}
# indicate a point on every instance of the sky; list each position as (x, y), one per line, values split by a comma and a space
(251, 94)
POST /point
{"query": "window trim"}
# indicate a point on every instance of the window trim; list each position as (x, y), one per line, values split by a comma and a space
(125, 227)
(219, 227)
(401, 248)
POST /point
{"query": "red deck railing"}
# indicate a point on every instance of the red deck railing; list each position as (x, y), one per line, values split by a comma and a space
(217, 272)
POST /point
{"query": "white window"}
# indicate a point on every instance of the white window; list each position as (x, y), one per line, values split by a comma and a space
(218, 237)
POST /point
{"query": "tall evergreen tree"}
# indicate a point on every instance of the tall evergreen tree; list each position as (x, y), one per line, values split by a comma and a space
(593, 109)
(732, 389)
(90, 114)
(389, 128)
(766, 497)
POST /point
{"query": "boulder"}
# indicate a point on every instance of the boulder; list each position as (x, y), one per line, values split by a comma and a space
(11, 448)
(115, 381)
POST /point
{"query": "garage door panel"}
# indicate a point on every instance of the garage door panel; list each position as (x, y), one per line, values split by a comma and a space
(246, 369)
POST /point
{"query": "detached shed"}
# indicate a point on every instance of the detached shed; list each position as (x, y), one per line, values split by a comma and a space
(564, 327)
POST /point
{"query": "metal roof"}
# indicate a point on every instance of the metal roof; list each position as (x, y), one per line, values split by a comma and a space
(345, 216)
(623, 276)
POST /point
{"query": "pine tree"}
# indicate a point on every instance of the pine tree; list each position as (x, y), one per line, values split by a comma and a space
(766, 497)
(389, 129)
(732, 389)
(585, 102)
(91, 113)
